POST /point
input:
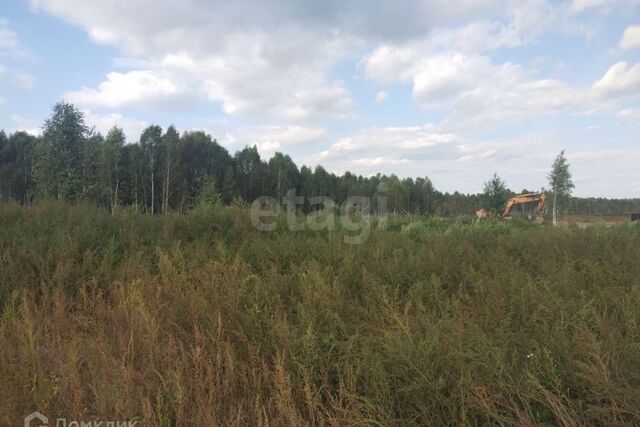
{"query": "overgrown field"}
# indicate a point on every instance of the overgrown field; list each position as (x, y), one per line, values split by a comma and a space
(199, 319)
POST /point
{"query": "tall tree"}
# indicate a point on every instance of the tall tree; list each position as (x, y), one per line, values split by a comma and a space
(58, 167)
(248, 166)
(425, 196)
(132, 173)
(150, 142)
(111, 161)
(19, 155)
(95, 187)
(283, 175)
(560, 183)
(495, 193)
(170, 141)
(6, 167)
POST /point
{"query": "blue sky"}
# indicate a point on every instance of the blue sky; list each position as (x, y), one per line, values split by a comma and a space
(450, 90)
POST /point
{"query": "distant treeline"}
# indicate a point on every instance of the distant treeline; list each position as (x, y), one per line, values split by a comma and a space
(166, 171)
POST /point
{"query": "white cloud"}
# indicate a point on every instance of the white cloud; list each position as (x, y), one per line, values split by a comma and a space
(277, 62)
(388, 143)
(501, 151)
(270, 63)
(135, 88)
(10, 78)
(471, 88)
(377, 161)
(128, 62)
(23, 80)
(244, 76)
(630, 114)
(452, 70)
(20, 123)
(104, 122)
(9, 43)
(453, 161)
(619, 80)
(582, 5)
(441, 77)
(630, 38)
(271, 135)
(268, 148)
(579, 6)
(381, 96)
(151, 27)
(11, 49)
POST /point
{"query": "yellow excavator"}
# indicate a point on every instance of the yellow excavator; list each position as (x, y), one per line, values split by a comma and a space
(535, 202)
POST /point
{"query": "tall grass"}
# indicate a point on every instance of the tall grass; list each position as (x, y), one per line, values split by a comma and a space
(198, 319)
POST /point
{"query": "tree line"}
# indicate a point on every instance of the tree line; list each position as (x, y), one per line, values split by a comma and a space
(167, 171)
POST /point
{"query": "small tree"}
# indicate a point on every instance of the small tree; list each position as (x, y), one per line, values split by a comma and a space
(495, 193)
(560, 182)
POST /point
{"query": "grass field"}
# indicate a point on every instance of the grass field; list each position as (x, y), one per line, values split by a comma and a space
(199, 319)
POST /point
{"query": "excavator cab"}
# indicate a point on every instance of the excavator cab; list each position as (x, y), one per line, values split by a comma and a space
(531, 204)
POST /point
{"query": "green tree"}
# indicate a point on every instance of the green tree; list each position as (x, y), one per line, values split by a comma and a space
(248, 168)
(6, 167)
(560, 183)
(58, 164)
(425, 195)
(132, 174)
(23, 146)
(94, 186)
(111, 162)
(495, 193)
(283, 175)
(170, 141)
(150, 143)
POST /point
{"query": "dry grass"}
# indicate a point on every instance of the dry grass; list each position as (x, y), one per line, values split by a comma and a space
(200, 320)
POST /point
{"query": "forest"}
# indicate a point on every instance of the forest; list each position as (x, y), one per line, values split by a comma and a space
(167, 171)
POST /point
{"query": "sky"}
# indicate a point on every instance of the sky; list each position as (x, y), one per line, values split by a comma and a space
(453, 90)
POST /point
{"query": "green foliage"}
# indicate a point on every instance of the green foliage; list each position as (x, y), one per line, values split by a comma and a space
(209, 195)
(560, 182)
(560, 178)
(58, 167)
(16, 164)
(112, 164)
(495, 194)
(199, 319)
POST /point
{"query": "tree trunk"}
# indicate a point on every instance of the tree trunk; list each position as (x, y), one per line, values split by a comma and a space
(555, 214)
(165, 203)
(152, 189)
(279, 193)
(115, 195)
(136, 190)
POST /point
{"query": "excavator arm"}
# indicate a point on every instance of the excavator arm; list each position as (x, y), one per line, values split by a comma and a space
(539, 198)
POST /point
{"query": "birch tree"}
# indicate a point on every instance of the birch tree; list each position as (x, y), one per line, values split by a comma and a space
(560, 183)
